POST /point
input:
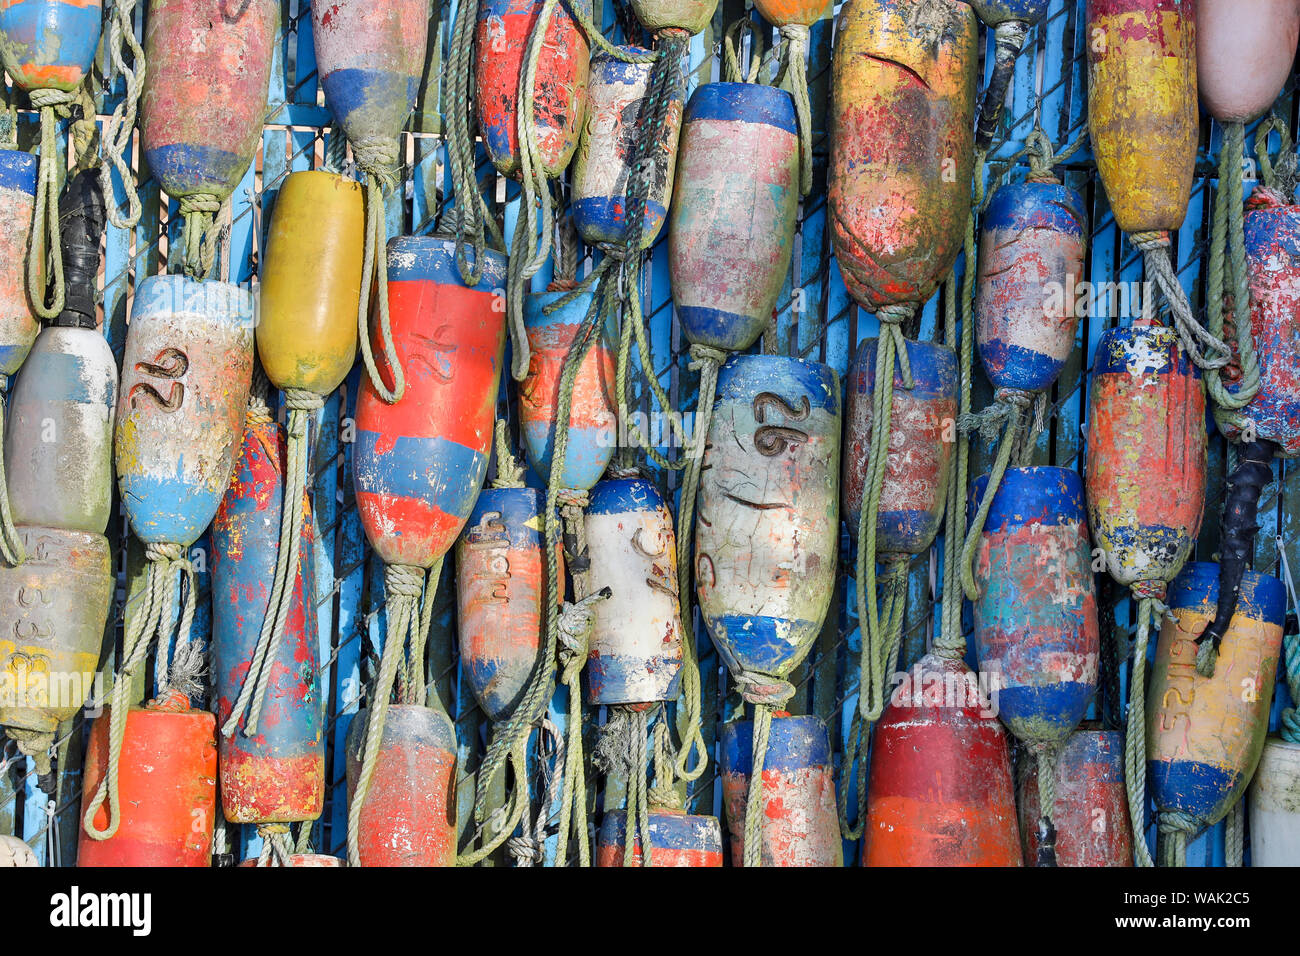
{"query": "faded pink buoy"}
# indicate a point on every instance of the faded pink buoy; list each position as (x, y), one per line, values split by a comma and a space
(1244, 53)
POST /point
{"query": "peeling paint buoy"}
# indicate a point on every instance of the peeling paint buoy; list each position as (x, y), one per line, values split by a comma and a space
(677, 839)
(1275, 806)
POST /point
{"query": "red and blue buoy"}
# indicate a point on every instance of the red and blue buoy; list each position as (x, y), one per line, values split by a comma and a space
(677, 839)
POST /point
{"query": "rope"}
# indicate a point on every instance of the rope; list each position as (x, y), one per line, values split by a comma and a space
(621, 751)
(1009, 408)
(120, 127)
(573, 637)
(1149, 595)
(1047, 756)
(378, 159)
(598, 39)
(45, 248)
(731, 45)
(1291, 652)
(510, 473)
(1234, 836)
(767, 695)
(11, 542)
(151, 621)
(403, 587)
(199, 233)
(794, 80)
(277, 844)
(252, 696)
(1194, 337)
(1176, 830)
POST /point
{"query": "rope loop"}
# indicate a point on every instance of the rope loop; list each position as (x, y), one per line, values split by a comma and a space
(1192, 335)
(764, 689)
(510, 474)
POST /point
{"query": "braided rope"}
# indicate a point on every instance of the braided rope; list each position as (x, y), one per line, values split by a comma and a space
(11, 542)
(200, 232)
(1010, 408)
(120, 126)
(45, 248)
(1149, 596)
(795, 82)
(1192, 335)
(731, 46)
(378, 160)
(767, 695)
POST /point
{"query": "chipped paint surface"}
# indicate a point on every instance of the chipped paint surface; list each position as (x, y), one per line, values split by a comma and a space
(677, 839)
(1273, 262)
(370, 54)
(602, 165)
(1205, 734)
(767, 515)
(67, 388)
(993, 12)
(800, 822)
(502, 38)
(1275, 806)
(54, 607)
(1142, 108)
(49, 44)
(419, 464)
(209, 70)
(940, 791)
(168, 781)
(1032, 242)
(1036, 616)
(592, 422)
(410, 812)
(781, 12)
(500, 591)
(921, 437)
(277, 775)
(1244, 53)
(18, 323)
(689, 15)
(731, 234)
(902, 135)
(635, 651)
(180, 415)
(1091, 815)
(1146, 453)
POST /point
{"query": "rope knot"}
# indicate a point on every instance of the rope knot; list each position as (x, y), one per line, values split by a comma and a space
(200, 202)
(700, 354)
(510, 474)
(796, 34)
(1176, 821)
(301, 399)
(896, 314)
(1150, 241)
(58, 99)
(574, 627)
(258, 412)
(764, 689)
(664, 797)
(173, 701)
(572, 498)
(1017, 397)
(525, 851)
(674, 33)
(1148, 590)
(378, 158)
(164, 551)
(404, 580)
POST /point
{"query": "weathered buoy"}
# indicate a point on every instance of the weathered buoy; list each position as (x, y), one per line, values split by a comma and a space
(940, 791)
(409, 817)
(781, 13)
(920, 446)
(168, 783)
(731, 234)
(689, 15)
(14, 852)
(677, 839)
(304, 860)
(798, 822)
(592, 428)
(502, 37)
(1244, 53)
(602, 168)
(1275, 806)
(1032, 244)
(276, 775)
(635, 648)
(500, 596)
(49, 44)
(18, 321)
(1036, 616)
(901, 145)
(1142, 90)
(1010, 21)
(1091, 819)
(1205, 734)
(419, 464)
(209, 69)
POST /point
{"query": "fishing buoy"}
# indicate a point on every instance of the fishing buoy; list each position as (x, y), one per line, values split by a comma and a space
(500, 596)
(14, 852)
(559, 93)
(796, 824)
(1010, 21)
(18, 320)
(167, 787)
(940, 792)
(592, 429)
(1036, 614)
(59, 450)
(304, 860)
(601, 177)
(635, 651)
(1275, 806)
(1032, 242)
(276, 775)
(677, 839)
(1205, 734)
(209, 69)
(409, 817)
(1091, 819)
(689, 15)
(731, 235)
(903, 83)
(1244, 53)
(370, 56)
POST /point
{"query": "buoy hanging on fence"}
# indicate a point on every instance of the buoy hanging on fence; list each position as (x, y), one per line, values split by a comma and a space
(409, 812)
(940, 792)
(1036, 615)
(1244, 53)
(186, 372)
(1275, 806)
(277, 774)
(677, 839)
(47, 46)
(307, 342)
(167, 781)
(419, 466)
(209, 69)
(302, 860)
(1010, 21)
(370, 55)
(1145, 482)
(1091, 818)
(553, 327)
(768, 528)
(796, 822)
